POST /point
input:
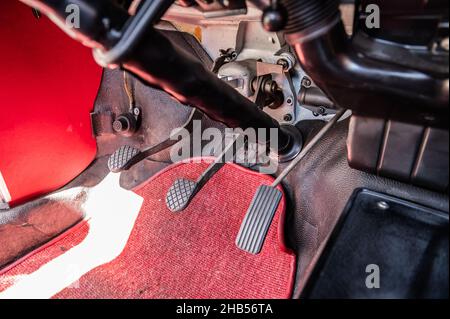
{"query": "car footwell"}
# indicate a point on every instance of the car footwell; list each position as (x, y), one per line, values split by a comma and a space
(130, 245)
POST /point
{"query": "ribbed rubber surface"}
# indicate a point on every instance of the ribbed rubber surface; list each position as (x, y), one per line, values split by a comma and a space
(193, 254)
(120, 158)
(305, 14)
(258, 218)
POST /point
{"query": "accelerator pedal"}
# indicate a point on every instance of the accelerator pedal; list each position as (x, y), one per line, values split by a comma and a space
(257, 220)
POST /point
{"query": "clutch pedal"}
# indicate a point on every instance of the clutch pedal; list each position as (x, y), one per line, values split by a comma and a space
(259, 216)
(126, 156)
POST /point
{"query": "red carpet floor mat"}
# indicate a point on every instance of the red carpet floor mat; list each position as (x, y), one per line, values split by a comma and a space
(34, 260)
(192, 254)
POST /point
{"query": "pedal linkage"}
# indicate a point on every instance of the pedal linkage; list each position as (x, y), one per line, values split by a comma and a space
(126, 156)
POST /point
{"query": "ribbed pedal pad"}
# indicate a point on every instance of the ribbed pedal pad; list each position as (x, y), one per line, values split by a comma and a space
(258, 218)
(119, 160)
(180, 194)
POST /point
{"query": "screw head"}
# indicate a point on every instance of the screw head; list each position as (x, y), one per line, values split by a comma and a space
(306, 82)
(284, 63)
(287, 117)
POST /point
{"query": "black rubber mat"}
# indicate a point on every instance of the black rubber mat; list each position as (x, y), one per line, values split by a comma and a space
(384, 247)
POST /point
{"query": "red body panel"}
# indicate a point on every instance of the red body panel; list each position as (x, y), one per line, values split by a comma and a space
(48, 84)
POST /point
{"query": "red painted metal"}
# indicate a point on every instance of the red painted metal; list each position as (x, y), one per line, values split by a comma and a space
(48, 84)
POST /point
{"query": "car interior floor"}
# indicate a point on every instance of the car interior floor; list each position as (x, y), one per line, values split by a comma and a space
(112, 234)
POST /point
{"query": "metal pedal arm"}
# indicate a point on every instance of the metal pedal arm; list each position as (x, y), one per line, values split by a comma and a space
(126, 156)
(183, 190)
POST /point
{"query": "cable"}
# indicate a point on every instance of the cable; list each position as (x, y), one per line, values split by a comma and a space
(129, 90)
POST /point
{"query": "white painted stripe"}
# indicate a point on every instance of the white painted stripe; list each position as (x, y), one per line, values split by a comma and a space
(4, 192)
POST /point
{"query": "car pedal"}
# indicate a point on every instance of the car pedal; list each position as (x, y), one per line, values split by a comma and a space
(258, 218)
(180, 194)
(183, 190)
(121, 158)
(126, 156)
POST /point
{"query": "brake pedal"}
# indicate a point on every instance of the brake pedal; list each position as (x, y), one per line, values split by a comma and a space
(183, 190)
(180, 194)
(126, 156)
(259, 215)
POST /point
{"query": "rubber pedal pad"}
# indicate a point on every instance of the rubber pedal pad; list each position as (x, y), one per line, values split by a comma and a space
(180, 194)
(121, 158)
(257, 220)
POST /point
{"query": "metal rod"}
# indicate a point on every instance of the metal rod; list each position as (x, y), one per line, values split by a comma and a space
(306, 149)
(220, 161)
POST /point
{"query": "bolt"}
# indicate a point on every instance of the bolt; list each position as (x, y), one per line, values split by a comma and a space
(287, 117)
(306, 82)
(136, 111)
(289, 100)
(284, 63)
